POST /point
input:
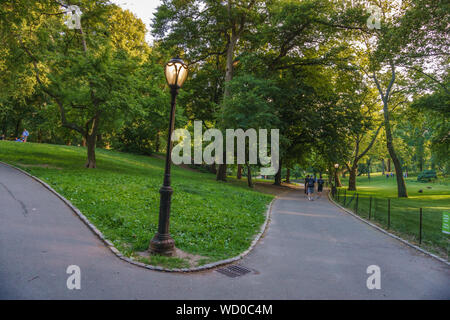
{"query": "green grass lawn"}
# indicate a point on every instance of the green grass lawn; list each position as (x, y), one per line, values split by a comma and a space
(212, 219)
(434, 199)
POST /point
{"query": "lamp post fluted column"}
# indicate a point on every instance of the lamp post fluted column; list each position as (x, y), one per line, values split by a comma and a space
(162, 243)
(334, 187)
(335, 177)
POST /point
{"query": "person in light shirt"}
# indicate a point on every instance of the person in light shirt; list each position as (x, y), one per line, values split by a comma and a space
(25, 135)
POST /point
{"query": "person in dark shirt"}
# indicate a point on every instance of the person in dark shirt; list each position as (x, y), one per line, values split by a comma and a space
(320, 184)
(311, 182)
(306, 184)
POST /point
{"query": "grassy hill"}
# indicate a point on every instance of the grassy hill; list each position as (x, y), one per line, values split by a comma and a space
(211, 219)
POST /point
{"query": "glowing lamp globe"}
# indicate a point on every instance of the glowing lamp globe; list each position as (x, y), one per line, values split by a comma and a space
(176, 72)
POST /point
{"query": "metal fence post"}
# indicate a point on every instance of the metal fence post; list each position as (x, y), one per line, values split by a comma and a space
(345, 196)
(370, 206)
(356, 203)
(420, 227)
(389, 213)
(374, 208)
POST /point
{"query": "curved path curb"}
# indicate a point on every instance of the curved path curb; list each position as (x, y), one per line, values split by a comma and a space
(387, 232)
(111, 246)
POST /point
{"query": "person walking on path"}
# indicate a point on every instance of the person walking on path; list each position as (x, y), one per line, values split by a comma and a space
(320, 184)
(306, 184)
(310, 184)
(25, 135)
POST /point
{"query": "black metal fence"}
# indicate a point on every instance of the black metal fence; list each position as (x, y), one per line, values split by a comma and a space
(422, 226)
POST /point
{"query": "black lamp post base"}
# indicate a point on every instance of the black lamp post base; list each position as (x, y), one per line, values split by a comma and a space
(162, 244)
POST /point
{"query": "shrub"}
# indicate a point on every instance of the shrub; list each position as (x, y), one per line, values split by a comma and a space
(427, 176)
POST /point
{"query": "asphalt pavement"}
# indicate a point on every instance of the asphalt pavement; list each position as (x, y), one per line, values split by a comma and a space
(311, 250)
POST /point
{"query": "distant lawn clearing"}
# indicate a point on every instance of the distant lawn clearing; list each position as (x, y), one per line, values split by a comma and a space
(121, 197)
(434, 199)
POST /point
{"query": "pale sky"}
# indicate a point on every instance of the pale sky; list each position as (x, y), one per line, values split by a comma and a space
(142, 9)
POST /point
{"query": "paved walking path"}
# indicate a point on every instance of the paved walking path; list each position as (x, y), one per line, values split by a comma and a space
(312, 250)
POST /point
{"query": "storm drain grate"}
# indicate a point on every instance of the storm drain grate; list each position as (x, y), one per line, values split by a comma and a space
(234, 271)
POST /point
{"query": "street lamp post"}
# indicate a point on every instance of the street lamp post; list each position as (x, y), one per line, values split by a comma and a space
(162, 243)
(336, 166)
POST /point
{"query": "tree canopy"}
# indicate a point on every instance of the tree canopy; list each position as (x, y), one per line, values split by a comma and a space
(338, 89)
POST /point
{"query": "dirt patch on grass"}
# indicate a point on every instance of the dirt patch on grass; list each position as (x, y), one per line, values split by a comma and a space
(192, 259)
(270, 188)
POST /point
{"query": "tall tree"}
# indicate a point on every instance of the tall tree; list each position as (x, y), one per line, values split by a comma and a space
(409, 34)
(204, 29)
(86, 72)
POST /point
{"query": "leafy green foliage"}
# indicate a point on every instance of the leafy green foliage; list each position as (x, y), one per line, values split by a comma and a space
(427, 176)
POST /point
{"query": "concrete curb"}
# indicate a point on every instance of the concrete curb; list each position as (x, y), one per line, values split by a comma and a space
(116, 252)
(387, 232)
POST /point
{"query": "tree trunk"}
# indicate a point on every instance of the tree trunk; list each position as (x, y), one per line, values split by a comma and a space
(330, 176)
(354, 168)
(239, 171)
(383, 166)
(99, 142)
(288, 175)
(17, 129)
(338, 181)
(278, 176)
(352, 179)
(401, 186)
(233, 39)
(5, 126)
(222, 170)
(91, 141)
(389, 165)
(249, 176)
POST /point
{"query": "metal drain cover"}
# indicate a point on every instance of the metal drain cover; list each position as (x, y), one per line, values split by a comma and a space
(234, 271)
